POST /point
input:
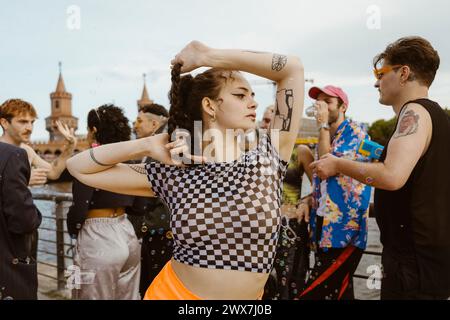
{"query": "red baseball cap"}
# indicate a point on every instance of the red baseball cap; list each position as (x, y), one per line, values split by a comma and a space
(329, 90)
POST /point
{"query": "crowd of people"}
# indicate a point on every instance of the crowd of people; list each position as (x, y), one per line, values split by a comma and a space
(193, 209)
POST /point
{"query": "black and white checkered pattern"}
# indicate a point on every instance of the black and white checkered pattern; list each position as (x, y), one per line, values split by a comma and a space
(225, 215)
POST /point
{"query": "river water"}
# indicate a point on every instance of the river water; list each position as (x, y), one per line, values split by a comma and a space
(369, 265)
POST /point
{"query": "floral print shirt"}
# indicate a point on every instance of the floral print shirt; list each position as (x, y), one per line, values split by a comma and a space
(343, 202)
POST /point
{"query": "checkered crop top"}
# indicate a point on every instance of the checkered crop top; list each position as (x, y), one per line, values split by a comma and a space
(224, 215)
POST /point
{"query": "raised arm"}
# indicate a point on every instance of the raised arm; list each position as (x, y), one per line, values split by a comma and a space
(285, 71)
(56, 168)
(408, 144)
(58, 165)
(101, 168)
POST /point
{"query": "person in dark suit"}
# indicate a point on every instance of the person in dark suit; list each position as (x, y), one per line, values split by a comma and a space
(19, 218)
(17, 119)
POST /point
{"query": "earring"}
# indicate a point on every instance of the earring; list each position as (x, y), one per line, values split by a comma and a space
(213, 118)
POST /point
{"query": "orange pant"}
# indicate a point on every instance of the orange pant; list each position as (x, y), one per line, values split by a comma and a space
(167, 286)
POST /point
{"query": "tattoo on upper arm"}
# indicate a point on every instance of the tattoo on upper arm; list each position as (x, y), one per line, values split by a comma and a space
(278, 62)
(283, 110)
(408, 124)
(137, 168)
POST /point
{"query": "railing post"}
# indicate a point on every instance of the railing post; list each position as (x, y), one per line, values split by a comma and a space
(60, 260)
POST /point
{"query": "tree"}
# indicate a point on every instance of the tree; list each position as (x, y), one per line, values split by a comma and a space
(448, 111)
(381, 130)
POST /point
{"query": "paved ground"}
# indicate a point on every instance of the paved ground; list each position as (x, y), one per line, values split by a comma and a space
(48, 289)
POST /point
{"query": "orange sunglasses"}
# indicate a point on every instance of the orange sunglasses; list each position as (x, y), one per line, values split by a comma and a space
(379, 73)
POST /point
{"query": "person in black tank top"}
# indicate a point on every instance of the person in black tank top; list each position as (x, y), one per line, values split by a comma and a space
(412, 197)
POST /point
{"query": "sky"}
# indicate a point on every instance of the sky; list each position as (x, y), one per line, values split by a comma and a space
(106, 46)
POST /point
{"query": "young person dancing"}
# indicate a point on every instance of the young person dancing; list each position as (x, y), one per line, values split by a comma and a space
(225, 212)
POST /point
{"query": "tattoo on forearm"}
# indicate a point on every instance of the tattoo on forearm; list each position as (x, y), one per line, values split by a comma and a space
(91, 153)
(137, 168)
(278, 62)
(258, 52)
(408, 124)
(283, 111)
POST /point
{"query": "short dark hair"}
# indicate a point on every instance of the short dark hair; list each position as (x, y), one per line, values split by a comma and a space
(414, 52)
(154, 108)
(111, 123)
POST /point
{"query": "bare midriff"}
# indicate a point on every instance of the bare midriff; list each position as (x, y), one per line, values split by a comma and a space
(106, 213)
(219, 284)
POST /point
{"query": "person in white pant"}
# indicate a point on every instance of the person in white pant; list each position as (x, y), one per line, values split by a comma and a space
(108, 253)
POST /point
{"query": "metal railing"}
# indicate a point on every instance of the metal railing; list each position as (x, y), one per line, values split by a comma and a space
(59, 217)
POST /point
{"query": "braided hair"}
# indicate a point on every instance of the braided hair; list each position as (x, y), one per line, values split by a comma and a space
(186, 95)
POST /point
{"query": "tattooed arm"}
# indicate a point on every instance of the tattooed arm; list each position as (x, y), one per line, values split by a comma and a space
(286, 119)
(408, 144)
(285, 71)
(288, 109)
(102, 166)
(268, 65)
